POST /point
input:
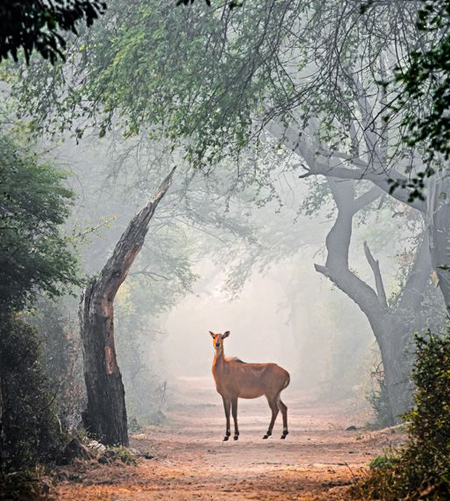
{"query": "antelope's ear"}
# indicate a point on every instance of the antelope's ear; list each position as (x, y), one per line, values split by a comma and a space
(225, 334)
(212, 334)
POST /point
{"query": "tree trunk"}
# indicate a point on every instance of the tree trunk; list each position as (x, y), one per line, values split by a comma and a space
(2, 438)
(392, 327)
(439, 228)
(318, 159)
(396, 357)
(106, 415)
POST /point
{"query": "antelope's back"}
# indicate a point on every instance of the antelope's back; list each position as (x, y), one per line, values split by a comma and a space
(255, 380)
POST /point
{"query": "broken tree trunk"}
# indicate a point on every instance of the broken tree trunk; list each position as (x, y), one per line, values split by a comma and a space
(106, 415)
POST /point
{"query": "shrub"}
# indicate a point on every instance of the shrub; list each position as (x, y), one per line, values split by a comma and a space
(24, 485)
(421, 470)
(61, 358)
(30, 430)
(35, 256)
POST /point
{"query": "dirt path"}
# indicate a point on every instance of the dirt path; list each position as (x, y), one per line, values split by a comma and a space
(315, 462)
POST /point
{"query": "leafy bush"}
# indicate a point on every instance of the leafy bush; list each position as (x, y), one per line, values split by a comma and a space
(30, 428)
(25, 485)
(61, 358)
(421, 470)
(125, 455)
(35, 257)
(34, 203)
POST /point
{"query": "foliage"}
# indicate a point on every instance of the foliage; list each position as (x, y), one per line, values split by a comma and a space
(37, 25)
(35, 258)
(382, 462)
(61, 358)
(421, 470)
(217, 76)
(30, 428)
(34, 203)
(123, 454)
(425, 78)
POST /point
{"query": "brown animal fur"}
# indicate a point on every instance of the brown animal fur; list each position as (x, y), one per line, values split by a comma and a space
(236, 379)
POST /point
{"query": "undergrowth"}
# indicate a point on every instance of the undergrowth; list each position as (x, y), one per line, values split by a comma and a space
(421, 469)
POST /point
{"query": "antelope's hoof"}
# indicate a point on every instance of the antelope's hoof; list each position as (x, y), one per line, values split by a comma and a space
(236, 437)
(225, 438)
(285, 433)
(267, 435)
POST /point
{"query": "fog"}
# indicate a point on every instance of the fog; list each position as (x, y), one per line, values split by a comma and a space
(283, 312)
(209, 202)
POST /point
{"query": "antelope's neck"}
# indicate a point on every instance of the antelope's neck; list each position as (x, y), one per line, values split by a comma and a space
(219, 361)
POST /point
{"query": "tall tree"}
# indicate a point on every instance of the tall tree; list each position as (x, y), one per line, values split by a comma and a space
(35, 256)
(106, 411)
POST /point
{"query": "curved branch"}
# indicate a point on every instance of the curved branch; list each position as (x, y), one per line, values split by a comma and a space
(375, 265)
(336, 267)
(331, 164)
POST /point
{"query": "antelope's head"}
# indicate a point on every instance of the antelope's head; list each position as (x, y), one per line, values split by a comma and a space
(218, 340)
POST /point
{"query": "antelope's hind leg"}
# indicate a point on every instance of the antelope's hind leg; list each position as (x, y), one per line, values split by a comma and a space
(226, 406)
(234, 407)
(274, 408)
(283, 408)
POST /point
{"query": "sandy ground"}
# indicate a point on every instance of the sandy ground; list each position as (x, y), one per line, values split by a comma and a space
(317, 461)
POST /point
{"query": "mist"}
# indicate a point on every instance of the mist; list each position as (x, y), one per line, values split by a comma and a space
(223, 250)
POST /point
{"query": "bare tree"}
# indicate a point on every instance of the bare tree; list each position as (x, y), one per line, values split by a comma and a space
(106, 415)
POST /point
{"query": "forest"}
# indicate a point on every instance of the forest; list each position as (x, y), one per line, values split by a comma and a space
(183, 181)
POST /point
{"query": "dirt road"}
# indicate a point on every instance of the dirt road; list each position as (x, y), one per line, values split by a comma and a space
(316, 462)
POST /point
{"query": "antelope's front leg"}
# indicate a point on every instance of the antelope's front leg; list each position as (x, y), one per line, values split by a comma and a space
(226, 406)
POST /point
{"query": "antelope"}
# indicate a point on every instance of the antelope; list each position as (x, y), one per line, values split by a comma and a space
(236, 379)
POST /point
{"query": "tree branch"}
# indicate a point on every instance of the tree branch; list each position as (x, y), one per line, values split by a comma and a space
(375, 265)
(356, 289)
(367, 198)
(338, 244)
(127, 248)
(330, 164)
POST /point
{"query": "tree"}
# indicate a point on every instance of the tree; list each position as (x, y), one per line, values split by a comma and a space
(425, 77)
(35, 259)
(106, 412)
